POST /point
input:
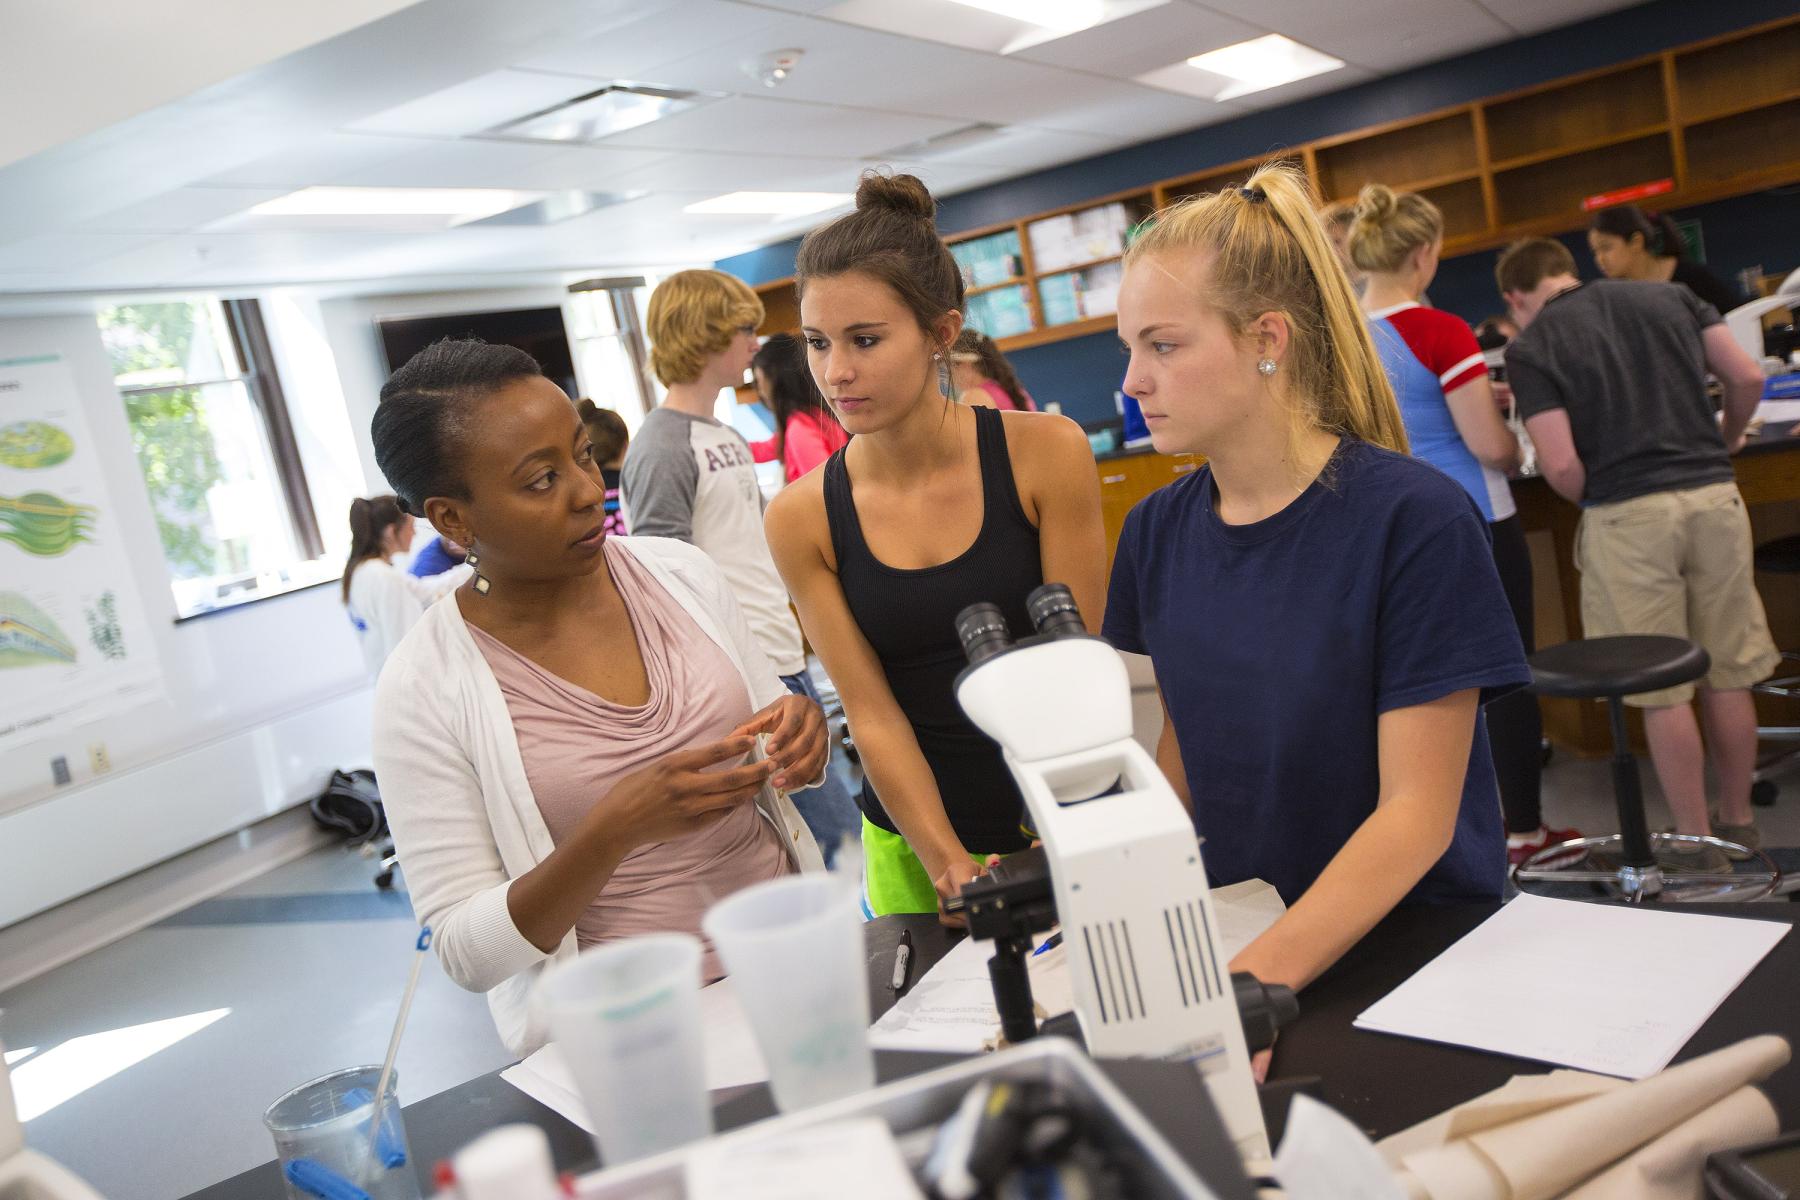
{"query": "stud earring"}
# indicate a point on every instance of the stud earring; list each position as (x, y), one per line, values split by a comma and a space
(482, 583)
(1266, 366)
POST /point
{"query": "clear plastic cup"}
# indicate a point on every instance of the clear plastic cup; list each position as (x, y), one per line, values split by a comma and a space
(627, 1015)
(325, 1123)
(794, 948)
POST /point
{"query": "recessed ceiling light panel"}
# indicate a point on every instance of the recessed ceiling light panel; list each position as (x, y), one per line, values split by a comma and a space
(1064, 16)
(600, 114)
(1261, 63)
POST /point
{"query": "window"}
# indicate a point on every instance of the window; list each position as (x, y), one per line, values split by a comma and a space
(606, 320)
(211, 431)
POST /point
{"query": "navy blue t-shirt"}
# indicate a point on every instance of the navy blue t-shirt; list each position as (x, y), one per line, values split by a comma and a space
(1278, 644)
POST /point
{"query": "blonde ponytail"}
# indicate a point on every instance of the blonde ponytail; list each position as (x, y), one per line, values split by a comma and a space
(1269, 253)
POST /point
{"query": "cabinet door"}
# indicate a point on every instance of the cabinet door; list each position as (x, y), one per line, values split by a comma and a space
(1125, 481)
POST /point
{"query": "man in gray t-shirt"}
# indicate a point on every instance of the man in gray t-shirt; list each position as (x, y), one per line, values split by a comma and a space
(1611, 380)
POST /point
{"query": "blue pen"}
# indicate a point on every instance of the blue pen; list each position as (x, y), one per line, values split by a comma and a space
(1050, 943)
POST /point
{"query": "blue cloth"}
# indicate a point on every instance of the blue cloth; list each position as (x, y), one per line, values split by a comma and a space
(433, 559)
(1278, 644)
(828, 810)
(1426, 414)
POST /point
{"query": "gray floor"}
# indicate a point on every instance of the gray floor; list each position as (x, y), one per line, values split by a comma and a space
(311, 961)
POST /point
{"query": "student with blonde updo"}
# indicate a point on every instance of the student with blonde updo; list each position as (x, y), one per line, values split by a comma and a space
(1453, 422)
(1321, 608)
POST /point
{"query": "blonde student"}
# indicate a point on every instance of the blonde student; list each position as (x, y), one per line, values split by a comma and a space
(1321, 609)
(933, 506)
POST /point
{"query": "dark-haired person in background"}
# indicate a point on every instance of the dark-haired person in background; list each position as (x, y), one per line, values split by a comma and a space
(1611, 379)
(932, 507)
(806, 434)
(982, 376)
(561, 742)
(610, 439)
(383, 601)
(1629, 243)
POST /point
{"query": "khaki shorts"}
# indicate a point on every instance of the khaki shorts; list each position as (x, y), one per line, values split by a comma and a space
(1677, 564)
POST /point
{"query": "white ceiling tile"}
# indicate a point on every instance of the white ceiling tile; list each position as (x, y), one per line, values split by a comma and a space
(1144, 41)
(746, 123)
(590, 168)
(717, 173)
(453, 163)
(1535, 16)
(1184, 79)
(634, 49)
(325, 159)
(1384, 34)
(56, 251)
(237, 257)
(180, 210)
(477, 104)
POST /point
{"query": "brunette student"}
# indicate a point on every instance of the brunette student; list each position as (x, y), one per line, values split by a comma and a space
(933, 506)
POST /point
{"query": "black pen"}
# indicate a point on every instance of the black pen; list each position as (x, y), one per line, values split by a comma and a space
(902, 959)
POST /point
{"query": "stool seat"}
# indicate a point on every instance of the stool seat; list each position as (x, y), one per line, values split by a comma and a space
(1616, 666)
(1779, 557)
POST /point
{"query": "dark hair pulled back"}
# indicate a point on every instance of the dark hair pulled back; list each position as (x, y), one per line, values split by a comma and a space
(606, 431)
(1662, 237)
(892, 236)
(782, 361)
(370, 519)
(421, 424)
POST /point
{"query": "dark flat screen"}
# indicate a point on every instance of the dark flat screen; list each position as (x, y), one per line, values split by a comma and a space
(537, 331)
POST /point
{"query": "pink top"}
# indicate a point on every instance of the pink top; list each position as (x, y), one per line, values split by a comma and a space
(809, 439)
(1002, 400)
(576, 745)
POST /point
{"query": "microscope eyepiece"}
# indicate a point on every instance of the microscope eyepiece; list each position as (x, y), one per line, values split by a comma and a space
(1053, 611)
(983, 631)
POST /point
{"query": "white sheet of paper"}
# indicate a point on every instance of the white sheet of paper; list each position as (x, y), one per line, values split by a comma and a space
(733, 1058)
(843, 1158)
(951, 1008)
(1606, 988)
(1776, 411)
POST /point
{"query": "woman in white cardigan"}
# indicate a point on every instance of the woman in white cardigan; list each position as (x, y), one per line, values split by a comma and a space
(566, 745)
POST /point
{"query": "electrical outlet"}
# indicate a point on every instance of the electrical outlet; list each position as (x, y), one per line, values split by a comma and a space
(59, 770)
(99, 759)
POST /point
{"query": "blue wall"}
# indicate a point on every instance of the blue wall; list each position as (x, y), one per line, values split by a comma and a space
(1082, 373)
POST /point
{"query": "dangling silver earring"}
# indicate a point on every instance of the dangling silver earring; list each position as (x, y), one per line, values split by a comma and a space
(482, 583)
(943, 368)
(1266, 366)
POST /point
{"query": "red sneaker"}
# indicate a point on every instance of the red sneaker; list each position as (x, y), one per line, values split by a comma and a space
(1519, 852)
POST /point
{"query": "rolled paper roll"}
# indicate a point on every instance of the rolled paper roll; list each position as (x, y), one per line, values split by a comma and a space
(1669, 1168)
(1544, 1156)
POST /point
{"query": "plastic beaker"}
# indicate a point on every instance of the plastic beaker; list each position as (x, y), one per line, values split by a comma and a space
(325, 1125)
(627, 1015)
(794, 948)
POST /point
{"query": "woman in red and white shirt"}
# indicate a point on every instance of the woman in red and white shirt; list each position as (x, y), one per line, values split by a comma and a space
(1454, 423)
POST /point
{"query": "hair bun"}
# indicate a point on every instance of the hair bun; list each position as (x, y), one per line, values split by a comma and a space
(1375, 202)
(905, 194)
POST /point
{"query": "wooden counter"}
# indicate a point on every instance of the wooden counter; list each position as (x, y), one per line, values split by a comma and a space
(1768, 474)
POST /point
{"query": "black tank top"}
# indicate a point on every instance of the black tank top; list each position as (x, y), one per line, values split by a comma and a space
(909, 618)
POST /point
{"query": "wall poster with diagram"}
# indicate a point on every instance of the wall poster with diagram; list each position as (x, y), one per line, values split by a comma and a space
(74, 642)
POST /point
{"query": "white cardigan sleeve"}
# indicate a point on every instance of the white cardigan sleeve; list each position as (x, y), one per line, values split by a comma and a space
(443, 834)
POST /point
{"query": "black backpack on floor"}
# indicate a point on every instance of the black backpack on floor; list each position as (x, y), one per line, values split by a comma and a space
(350, 805)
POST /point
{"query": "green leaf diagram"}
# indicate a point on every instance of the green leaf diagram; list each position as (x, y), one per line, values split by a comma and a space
(28, 637)
(30, 445)
(45, 525)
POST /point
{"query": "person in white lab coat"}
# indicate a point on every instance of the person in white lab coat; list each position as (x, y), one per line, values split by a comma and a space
(383, 600)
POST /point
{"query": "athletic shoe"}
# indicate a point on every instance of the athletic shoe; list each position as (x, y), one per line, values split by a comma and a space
(1518, 852)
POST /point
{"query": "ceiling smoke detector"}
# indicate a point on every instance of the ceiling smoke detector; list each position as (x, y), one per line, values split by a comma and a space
(773, 68)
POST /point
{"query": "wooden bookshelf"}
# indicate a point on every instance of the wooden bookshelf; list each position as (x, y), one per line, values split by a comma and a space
(1717, 118)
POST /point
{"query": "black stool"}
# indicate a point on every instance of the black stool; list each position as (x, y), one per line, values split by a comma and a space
(1779, 557)
(1612, 668)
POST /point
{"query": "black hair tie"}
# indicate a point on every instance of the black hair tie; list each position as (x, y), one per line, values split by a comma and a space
(1254, 195)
